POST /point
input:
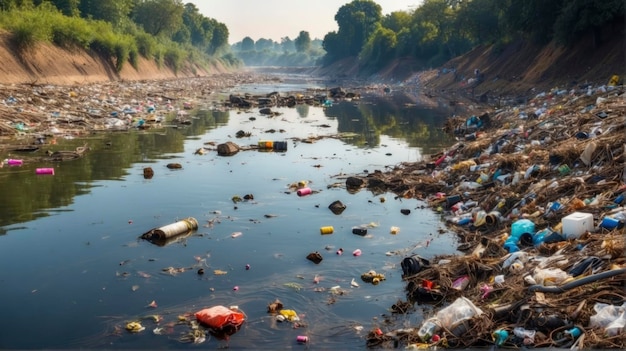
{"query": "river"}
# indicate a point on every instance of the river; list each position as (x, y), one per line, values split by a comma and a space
(75, 271)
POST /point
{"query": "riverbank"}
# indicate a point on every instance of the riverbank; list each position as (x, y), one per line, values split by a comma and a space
(535, 192)
(532, 161)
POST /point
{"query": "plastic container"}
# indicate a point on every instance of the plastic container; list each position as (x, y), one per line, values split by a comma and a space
(576, 224)
(304, 191)
(280, 146)
(266, 144)
(522, 231)
(45, 171)
(611, 223)
(302, 339)
(327, 230)
(452, 200)
(359, 230)
(428, 329)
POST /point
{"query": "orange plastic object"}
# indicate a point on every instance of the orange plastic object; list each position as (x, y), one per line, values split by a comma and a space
(218, 317)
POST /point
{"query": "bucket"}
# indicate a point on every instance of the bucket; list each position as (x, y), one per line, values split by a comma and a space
(327, 230)
(12, 162)
(280, 146)
(44, 171)
(266, 144)
(303, 191)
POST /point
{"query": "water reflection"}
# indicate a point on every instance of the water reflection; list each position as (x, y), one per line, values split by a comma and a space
(394, 117)
(110, 155)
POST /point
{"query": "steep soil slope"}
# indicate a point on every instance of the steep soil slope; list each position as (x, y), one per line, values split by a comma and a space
(513, 69)
(47, 64)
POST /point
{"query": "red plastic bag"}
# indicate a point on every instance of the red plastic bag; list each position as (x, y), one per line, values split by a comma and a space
(219, 317)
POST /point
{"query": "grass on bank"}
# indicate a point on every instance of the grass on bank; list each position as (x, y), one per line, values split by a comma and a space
(45, 24)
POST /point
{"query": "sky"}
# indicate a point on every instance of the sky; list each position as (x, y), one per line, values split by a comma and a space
(276, 19)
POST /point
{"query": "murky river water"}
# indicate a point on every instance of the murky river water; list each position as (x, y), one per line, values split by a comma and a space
(74, 271)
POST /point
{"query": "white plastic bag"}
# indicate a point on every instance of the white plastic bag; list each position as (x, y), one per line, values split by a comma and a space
(460, 310)
(609, 317)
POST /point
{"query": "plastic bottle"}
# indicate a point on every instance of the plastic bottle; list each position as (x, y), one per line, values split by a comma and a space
(428, 329)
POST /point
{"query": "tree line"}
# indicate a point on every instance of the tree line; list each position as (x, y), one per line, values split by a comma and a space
(432, 33)
(162, 29)
(301, 51)
(439, 30)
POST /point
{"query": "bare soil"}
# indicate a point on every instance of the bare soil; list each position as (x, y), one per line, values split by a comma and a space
(48, 64)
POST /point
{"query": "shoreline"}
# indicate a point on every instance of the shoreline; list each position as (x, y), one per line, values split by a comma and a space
(561, 152)
(553, 167)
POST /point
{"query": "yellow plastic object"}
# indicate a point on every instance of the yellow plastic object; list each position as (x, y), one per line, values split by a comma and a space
(134, 327)
(327, 230)
(290, 315)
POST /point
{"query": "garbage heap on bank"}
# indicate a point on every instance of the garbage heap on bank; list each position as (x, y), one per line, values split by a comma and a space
(535, 194)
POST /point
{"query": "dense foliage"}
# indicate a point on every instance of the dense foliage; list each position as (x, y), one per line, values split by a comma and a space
(162, 30)
(435, 31)
(301, 51)
(439, 30)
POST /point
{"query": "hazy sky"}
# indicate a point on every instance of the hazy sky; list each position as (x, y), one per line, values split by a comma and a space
(275, 19)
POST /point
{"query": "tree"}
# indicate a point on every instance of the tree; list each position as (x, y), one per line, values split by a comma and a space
(580, 16)
(380, 48)
(159, 17)
(479, 20)
(6, 5)
(113, 11)
(193, 20)
(219, 37)
(264, 44)
(287, 44)
(303, 42)
(67, 7)
(357, 20)
(247, 44)
(397, 21)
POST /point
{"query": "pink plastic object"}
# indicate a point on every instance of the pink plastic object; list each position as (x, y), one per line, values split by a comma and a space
(356, 252)
(304, 191)
(44, 171)
(12, 162)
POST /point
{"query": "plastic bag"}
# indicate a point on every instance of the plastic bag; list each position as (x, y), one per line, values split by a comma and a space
(460, 310)
(609, 317)
(550, 276)
(219, 317)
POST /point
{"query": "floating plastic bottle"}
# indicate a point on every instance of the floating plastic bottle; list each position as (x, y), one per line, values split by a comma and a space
(428, 329)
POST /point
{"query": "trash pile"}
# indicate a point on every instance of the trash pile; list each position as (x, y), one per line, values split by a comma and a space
(42, 111)
(535, 193)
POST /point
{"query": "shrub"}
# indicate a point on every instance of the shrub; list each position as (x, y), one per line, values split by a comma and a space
(175, 57)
